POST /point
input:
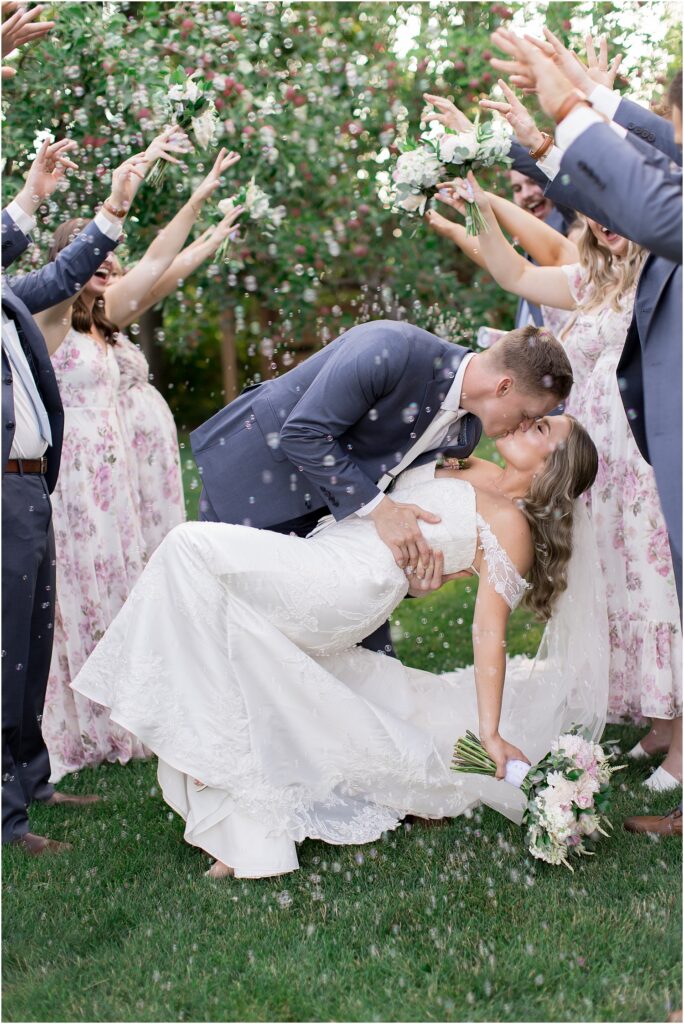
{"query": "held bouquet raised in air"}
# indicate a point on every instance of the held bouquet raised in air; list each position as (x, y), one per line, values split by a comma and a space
(567, 792)
(257, 205)
(188, 105)
(444, 153)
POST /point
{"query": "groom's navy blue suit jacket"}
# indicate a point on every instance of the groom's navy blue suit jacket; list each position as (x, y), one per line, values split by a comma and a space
(323, 434)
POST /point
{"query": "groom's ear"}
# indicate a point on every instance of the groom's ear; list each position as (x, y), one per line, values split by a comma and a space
(504, 386)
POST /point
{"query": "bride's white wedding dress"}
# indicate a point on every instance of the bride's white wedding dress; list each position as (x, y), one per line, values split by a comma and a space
(234, 661)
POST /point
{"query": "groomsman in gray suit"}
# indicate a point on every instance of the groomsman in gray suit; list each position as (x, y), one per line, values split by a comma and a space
(331, 434)
(32, 426)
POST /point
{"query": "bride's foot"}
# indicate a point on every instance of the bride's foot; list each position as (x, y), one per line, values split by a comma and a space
(220, 870)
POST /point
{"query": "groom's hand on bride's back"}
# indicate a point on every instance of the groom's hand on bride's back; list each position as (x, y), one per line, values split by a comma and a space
(397, 526)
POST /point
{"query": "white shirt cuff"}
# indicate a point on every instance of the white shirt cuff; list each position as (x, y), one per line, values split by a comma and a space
(24, 221)
(550, 162)
(605, 101)
(112, 229)
(578, 120)
(370, 505)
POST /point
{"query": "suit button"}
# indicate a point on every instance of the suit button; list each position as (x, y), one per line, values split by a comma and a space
(10, 425)
(651, 137)
(6, 380)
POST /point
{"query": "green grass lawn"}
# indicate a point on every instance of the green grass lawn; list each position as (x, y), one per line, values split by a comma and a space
(450, 923)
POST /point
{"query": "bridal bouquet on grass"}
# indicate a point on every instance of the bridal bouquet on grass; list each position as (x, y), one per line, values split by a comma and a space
(188, 105)
(257, 204)
(444, 153)
(567, 792)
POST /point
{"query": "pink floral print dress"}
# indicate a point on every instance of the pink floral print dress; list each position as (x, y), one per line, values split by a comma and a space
(99, 549)
(643, 612)
(151, 444)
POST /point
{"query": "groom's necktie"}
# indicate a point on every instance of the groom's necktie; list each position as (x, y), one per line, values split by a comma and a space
(19, 363)
(430, 438)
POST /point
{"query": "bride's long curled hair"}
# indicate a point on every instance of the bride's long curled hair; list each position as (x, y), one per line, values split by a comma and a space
(548, 507)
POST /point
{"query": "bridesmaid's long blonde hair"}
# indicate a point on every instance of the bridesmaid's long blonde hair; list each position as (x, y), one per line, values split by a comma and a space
(609, 279)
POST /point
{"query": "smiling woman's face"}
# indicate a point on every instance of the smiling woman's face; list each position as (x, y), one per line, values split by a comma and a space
(616, 244)
(97, 284)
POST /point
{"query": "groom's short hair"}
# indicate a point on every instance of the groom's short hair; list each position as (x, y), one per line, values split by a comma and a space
(535, 360)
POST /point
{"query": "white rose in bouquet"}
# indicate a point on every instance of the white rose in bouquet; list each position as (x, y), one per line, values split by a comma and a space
(256, 201)
(204, 126)
(458, 147)
(420, 168)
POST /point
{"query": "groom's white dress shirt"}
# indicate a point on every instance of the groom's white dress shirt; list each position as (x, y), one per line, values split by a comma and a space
(437, 435)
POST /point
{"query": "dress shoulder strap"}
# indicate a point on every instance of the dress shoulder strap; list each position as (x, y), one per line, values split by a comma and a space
(501, 572)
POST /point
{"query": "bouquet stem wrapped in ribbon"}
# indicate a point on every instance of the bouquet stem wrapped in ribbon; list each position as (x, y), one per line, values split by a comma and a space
(567, 792)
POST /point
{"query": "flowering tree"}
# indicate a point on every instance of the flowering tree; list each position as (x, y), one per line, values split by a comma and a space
(314, 96)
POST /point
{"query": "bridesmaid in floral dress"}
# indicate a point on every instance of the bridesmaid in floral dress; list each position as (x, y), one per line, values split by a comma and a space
(99, 538)
(599, 287)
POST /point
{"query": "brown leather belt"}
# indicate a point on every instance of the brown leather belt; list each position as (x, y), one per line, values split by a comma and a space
(27, 466)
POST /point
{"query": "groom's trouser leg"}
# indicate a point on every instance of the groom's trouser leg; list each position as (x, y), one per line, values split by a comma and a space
(380, 641)
(28, 592)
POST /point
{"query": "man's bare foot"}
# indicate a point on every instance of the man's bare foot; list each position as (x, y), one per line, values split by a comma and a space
(220, 870)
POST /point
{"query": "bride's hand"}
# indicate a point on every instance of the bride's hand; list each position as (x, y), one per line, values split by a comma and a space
(501, 752)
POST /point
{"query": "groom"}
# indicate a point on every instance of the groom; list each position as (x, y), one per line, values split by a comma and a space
(331, 434)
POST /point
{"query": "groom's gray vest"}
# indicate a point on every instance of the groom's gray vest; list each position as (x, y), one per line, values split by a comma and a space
(324, 433)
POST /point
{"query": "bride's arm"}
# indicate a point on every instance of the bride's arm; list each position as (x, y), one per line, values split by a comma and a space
(489, 655)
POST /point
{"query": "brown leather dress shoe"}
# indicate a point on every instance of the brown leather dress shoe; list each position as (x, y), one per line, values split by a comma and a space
(71, 799)
(38, 845)
(667, 825)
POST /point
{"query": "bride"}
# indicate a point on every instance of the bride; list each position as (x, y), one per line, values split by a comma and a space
(234, 659)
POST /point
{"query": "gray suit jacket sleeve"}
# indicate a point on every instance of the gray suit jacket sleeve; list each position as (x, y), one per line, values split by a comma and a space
(14, 241)
(649, 127)
(346, 389)
(632, 189)
(66, 275)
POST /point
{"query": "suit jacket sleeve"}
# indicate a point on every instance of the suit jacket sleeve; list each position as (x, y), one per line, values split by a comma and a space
(347, 388)
(649, 127)
(14, 241)
(631, 188)
(66, 275)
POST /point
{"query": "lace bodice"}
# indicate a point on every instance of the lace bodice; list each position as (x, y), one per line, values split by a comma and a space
(459, 533)
(461, 528)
